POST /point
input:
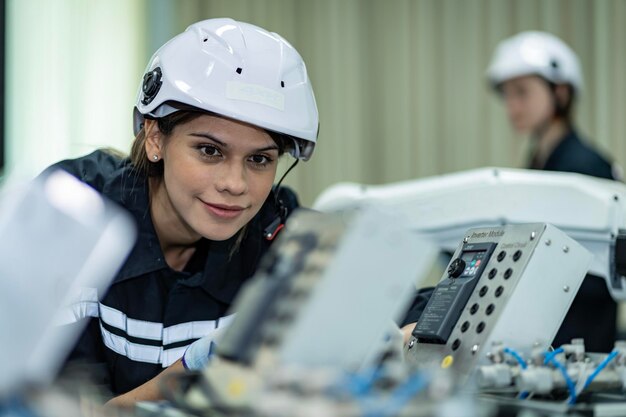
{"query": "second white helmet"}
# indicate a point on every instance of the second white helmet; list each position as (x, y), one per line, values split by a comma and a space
(535, 53)
(236, 70)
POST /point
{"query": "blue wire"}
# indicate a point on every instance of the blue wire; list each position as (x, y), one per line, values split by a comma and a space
(524, 394)
(550, 355)
(360, 384)
(401, 396)
(550, 359)
(600, 367)
(517, 357)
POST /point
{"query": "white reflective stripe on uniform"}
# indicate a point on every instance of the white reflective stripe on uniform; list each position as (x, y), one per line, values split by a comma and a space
(76, 312)
(136, 328)
(225, 321)
(187, 331)
(155, 331)
(84, 303)
(172, 355)
(134, 351)
(139, 352)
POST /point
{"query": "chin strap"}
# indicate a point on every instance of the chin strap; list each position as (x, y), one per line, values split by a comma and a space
(275, 226)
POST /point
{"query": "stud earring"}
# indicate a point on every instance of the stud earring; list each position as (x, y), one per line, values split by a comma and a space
(155, 157)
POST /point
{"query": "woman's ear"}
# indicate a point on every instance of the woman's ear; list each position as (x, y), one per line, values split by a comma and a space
(154, 140)
(563, 94)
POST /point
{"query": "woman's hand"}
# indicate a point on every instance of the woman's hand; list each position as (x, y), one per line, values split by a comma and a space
(406, 332)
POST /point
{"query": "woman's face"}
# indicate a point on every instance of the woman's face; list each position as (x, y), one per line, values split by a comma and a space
(217, 173)
(529, 103)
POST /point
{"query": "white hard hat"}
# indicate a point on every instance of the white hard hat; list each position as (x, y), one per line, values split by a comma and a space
(236, 70)
(535, 53)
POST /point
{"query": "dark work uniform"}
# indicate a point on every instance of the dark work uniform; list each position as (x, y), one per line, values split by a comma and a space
(593, 314)
(151, 313)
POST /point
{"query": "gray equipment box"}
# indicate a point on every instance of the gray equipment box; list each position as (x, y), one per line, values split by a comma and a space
(518, 294)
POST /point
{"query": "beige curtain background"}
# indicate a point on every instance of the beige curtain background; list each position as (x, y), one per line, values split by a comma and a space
(399, 83)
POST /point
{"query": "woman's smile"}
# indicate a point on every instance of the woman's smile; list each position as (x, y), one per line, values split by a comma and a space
(224, 211)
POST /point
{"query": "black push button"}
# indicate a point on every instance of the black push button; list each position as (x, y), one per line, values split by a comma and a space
(499, 291)
(456, 344)
(480, 327)
(501, 256)
(465, 326)
(517, 255)
(508, 273)
(492, 273)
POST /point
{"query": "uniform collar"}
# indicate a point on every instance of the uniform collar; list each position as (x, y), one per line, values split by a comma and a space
(571, 138)
(130, 189)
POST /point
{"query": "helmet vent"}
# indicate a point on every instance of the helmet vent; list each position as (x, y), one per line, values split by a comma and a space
(238, 70)
(282, 84)
(151, 85)
(205, 39)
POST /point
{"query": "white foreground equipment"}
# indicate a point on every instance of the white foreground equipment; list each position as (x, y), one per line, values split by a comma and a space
(60, 239)
(590, 210)
(327, 293)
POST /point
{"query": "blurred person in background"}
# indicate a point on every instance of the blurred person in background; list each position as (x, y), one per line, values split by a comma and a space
(539, 79)
(217, 107)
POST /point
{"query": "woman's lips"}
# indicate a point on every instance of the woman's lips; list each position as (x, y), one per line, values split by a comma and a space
(224, 211)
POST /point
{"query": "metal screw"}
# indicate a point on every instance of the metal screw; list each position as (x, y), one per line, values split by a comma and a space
(533, 235)
(411, 343)
(548, 242)
(565, 249)
(474, 349)
(465, 239)
(566, 288)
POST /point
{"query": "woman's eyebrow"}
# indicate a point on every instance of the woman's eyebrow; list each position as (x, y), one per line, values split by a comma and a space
(267, 148)
(225, 145)
(210, 137)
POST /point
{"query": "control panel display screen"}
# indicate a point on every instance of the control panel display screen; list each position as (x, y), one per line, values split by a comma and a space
(473, 261)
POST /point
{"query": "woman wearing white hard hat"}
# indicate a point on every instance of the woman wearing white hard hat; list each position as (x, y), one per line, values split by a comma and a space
(539, 78)
(217, 106)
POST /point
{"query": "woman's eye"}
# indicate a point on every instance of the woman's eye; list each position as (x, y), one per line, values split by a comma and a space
(209, 150)
(260, 159)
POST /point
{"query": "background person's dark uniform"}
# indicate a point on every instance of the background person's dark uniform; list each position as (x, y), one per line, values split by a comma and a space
(151, 312)
(593, 314)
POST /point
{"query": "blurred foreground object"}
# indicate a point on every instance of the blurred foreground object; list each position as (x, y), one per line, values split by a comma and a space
(60, 240)
(318, 316)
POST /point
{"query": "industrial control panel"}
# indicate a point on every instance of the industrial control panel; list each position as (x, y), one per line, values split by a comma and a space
(510, 285)
(328, 291)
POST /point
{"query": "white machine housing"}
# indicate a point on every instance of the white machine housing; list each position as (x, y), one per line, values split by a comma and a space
(590, 210)
(519, 298)
(61, 243)
(328, 291)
